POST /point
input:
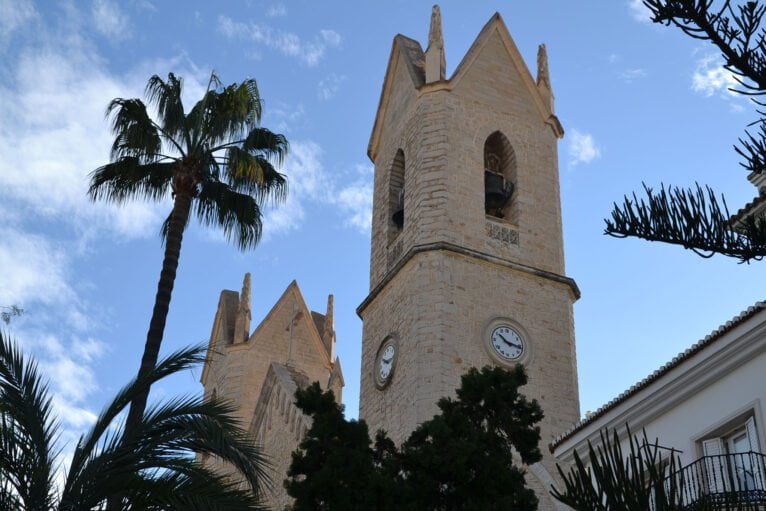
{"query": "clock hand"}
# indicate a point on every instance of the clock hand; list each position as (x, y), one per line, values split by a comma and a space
(508, 342)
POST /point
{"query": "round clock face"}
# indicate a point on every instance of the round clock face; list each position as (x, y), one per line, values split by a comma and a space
(507, 342)
(384, 366)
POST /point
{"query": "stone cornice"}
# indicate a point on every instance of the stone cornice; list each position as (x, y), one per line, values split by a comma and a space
(475, 254)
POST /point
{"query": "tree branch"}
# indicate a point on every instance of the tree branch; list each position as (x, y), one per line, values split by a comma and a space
(692, 218)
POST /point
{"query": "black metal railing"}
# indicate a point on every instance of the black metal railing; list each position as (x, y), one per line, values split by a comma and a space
(721, 482)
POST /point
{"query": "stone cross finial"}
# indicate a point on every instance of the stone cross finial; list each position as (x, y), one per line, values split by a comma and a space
(436, 65)
(242, 323)
(296, 314)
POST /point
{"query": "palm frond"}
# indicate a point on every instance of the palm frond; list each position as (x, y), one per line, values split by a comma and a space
(692, 218)
(254, 175)
(136, 135)
(237, 214)
(87, 447)
(199, 490)
(225, 119)
(128, 177)
(193, 424)
(273, 146)
(225, 114)
(166, 97)
(27, 431)
(233, 112)
(153, 467)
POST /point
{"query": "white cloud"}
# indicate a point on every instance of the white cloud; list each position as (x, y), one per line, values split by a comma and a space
(54, 133)
(330, 37)
(710, 77)
(309, 52)
(33, 270)
(582, 148)
(75, 417)
(37, 276)
(283, 118)
(277, 10)
(355, 200)
(14, 14)
(307, 181)
(145, 5)
(349, 193)
(89, 349)
(639, 11)
(631, 74)
(329, 86)
(110, 20)
(72, 380)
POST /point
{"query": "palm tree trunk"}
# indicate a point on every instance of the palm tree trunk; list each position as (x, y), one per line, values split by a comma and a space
(178, 218)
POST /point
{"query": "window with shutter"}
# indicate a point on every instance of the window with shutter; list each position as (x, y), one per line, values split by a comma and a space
(755, 459)
(733, 461)
(715, 465)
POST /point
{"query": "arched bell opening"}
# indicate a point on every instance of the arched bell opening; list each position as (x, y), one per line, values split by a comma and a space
(396, 195)
(499, 176)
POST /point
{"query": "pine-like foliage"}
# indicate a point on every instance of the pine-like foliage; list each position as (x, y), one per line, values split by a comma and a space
(462, 459)
(152, 470)
(334, 467)
(695, 218)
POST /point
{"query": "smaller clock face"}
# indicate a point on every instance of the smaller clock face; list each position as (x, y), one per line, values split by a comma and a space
(507, 342)
(385, 366)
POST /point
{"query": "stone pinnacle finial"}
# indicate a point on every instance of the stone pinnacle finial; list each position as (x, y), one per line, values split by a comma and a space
(435, 32)
(244, 300)
(242, 323)
(542, 67)
(544, 77)
(328, 333)
(436, 66)
(329, 321)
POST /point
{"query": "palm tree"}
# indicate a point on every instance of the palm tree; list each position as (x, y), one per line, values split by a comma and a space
(153, 469)
(215, 160)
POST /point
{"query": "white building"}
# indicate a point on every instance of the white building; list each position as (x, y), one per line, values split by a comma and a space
(706, 407)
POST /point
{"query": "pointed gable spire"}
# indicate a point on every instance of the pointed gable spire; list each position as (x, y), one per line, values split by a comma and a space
(242, 323)
(436, 66)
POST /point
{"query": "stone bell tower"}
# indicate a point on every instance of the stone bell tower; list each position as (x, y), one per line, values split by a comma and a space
(467, 258)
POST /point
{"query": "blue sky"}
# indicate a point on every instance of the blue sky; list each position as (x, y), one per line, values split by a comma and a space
(637, 101)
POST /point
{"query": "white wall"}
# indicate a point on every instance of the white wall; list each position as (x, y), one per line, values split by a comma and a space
(685, 424)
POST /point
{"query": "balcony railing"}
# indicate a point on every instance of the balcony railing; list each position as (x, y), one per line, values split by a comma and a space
(722, 482)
